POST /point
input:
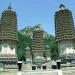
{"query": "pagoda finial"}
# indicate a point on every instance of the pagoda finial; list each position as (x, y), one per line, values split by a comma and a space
(38, 27)
(9, 7)
(62, 7)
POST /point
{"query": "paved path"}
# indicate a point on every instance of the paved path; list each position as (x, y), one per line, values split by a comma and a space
(65, 71)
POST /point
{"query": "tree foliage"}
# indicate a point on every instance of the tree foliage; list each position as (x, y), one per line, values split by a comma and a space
(51, 42)
(23, 42)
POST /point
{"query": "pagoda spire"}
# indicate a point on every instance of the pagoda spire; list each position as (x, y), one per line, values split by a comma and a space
(9, 7)
(62, 7)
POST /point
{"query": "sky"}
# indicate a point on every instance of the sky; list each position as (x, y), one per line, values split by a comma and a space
(34, 12)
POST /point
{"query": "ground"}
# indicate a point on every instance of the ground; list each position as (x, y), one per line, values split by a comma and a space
(65, 71)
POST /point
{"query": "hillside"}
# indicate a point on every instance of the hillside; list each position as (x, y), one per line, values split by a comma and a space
(28, 31)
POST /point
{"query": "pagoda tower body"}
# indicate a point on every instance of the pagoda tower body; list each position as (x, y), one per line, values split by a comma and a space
(38, 42)
(8, 36)
(64, 31)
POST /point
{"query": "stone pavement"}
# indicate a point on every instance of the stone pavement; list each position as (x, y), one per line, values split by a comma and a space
(65, 71)
(68, 71)
(29, 73)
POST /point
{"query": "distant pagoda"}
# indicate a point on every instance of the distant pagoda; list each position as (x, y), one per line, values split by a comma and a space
(64, 30)
(38, 42)
(8, 36)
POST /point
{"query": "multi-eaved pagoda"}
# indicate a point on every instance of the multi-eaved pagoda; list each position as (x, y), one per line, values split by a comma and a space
(65, 32)
(38, 51)
(38, 42)
(8, 36)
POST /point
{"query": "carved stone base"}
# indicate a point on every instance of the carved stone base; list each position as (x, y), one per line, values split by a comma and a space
(9, 62)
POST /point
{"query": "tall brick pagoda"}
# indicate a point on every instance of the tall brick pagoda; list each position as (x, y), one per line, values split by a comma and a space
(38, 42)
(64, 31)
(8, 36)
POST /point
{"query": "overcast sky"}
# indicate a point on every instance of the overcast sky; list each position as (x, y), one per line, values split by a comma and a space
(33, 12)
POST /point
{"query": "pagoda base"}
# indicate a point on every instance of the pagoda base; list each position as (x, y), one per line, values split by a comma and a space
(8, 62)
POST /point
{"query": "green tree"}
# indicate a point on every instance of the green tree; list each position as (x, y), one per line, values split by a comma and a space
(51, 42)
(54, 51)
(23, 42)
